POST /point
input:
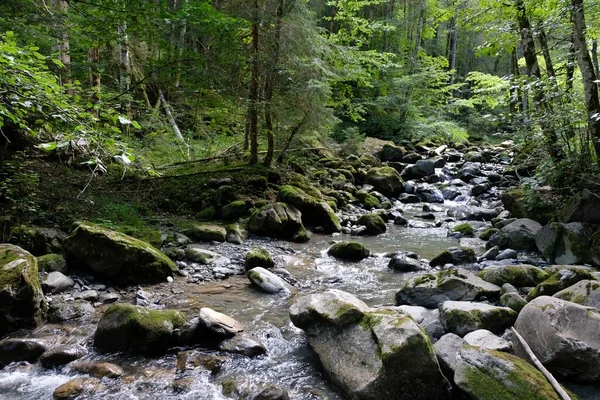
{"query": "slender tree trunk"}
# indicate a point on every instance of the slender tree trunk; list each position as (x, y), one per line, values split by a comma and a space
(170, 116)
(546, 52)
(516, 105)
(418, 36)
(570, 72)
(270, 85)
(595, 56)
(124, 63)
(291, 137)
(588, 75)
(95, 75)
(63, 47)
(254, 95)
(453, 44)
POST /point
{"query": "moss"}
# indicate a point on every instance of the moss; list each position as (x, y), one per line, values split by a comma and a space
(374, 223)
(52, 262)
(422, 279)
(207, 232)
(254, 276)
(555, 284)
(465, 229)
(314, 211)
(234, 210)
(26, 270)
(258, 257)
(207, 214)
(229, 387)
(371, 201)
(486, 234)
(352, 251)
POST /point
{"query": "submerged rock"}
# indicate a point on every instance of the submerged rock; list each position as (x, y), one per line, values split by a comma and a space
(98, 369)
(462, 317)
(278, 220)
(62, 355)
(491, 375)
(22, 303)
(75, 388)
(125, 327)
(13, 350)
(369, 354)
(351, 251)
(563, 336)
(454, 284)
(118, 256)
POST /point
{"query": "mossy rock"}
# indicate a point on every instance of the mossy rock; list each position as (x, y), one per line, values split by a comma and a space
(462, 317)
(37, 240)
(236, 234)
(117, 256)
(559, 280)
(368, 200)
(125, 327)
(385, 180)
(207, 233)
(207, 214)
(464, 229)
(258, 257)
(486, 234)
(454, 255)
(314, 212)
(351, 251)
(224, 195)
(22, 303)
(52, 262)
(374, 224)
(516, 275)
(278, 220)
(234, 210)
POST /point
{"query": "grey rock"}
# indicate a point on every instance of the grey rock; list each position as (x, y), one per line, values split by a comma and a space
(57, 282)
(243, 343)
(267, 281)
(62, 355)
(487, 340)
(513, 301)
(63, 311)
(13, 350)
(205, 257)
(518, 235)
(566, 243)
(403, 263)
(446, 350)
(462, 317)
(506, 254)
(585, 292)
(472, 213)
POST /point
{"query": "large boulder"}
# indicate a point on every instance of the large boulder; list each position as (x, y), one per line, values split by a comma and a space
(367, 353)
(385, 180)
(518, 235)
(206, 233)
(258, 257)
(22, 303)
(563, 336)
(15, 350)
(566, 243)
(278, 220)
(454, 255)
(446, 350)
(430, 290)
(118, 256)
(472, 213)
(315, 212)
(462, 317)
(585, 292)
(516, 275)
(561, 278)
(492, 375)
(351, 251)
(391, 152)
(583, 207)
(374, 224)
(125, 327)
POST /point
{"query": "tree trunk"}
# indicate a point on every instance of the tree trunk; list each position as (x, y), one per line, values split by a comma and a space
(595, 57)
(170, 116)
(254, 95)
(124, 58)
(290, 138)
(95, 75)
(546, 52)
(453, 44)
(63, 47)
(270, 85)
(570, 64)
(516, 106)
(588, 75)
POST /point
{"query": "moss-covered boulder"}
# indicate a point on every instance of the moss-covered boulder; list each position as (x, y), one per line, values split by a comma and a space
(492, 375)
(368, 200)
(278, 220)
(37, 240)
(486, 234)
(391, 152)
(583, 207)
(224, 195)
(462, 317)
(513, 300)
(369, 353)
(315, 212)
(117, 256)
(236, 234)
(429, 290)
(235, 209)
(374, 224)
(518, 235)
(464, 229)
(22, 303)
(454, 255)
(559, 279)
(585, 292)
(516, 275)
(258, 257)
(206, 233)
(566, 243)
(351, 251)
(52, 262)
(125, 327)
(385, 180)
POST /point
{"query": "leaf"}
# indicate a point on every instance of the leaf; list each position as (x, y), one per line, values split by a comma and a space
(50, 146)
(136, 125)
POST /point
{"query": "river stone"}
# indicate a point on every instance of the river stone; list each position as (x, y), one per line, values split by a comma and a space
(563, 336)
(472, 213)
(22, 303)
(518, 235)
(14, 350)
(487, 340)
(205, 257)
(566, 243)
(218, 325)
(244, 344)
(453, 284)
(206, 233)
(63, 311)
(367, 353)
(454, 255)
(391, 152)
(189, 360)
(234, 210)
(236, 234)
(125, 327)
(87, 295)
(267, 281)
(560, 279)
(52, 262)
(57, 282)
(507, 254)
(403, 263)
(462, 317)
(350, 251)
(118, 256)
(258, 257)
(75, 388)
(585, 292)
(583, 207)
(98, 369)
(385, 180)
(513, 301)
(315, 212)
(517, 275)
(492, 375)
(62, 355)
(446, 350)
(278, 220)
(273, 392)
(373, 223)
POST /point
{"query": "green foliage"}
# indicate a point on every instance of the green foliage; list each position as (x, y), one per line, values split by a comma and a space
(18, 187)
